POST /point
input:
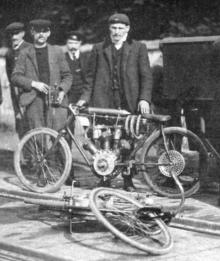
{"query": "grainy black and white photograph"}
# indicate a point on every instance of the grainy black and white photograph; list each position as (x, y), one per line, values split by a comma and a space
(109, 130)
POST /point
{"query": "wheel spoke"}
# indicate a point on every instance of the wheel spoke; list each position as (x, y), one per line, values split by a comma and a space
(51, 179)
(121, 217)
(39, 160)
(187, 156)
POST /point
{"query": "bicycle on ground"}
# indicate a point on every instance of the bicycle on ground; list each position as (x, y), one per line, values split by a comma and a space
(128, 216)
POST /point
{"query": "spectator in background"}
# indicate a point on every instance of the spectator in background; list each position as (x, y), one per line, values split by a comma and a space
(77, 61)
(119, 75)
(38, 69)
(15, 34)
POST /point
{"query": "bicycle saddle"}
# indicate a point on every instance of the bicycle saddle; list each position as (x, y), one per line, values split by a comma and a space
(156, 117)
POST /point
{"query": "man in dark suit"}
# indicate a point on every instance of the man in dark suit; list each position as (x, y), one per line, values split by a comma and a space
(15, 34)
(77, 61)
(119, 74)
(38, 69)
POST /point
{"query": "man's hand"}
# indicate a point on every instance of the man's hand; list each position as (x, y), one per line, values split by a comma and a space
(60, 97)
(40, 86)
(144, 107)
(80, 103)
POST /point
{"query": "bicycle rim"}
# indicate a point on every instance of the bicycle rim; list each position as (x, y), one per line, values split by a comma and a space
(189, 158)
(118, 213)
(41, 164)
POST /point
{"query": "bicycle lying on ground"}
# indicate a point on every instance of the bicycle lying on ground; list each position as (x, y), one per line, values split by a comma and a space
(118, 143)
(126, 215)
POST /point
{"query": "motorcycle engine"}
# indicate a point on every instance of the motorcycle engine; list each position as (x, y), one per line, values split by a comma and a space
(104, 144)
(104, 162)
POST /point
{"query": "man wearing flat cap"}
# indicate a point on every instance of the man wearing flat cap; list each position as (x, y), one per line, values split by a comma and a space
(15, 33)
(119, 74)
(38, 70)
(77, 61)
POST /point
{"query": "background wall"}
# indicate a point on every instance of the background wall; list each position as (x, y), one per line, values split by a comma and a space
(151, 19)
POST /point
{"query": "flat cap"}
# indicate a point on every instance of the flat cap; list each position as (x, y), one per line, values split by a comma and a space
(40, 23)
(75, 35)
(119, 18)
(15, 27)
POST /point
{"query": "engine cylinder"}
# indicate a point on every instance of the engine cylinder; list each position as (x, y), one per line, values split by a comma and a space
(106, 136)
(116, 137)
(90, 147)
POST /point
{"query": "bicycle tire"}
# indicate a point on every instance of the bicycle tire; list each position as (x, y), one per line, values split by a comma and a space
(129, 222)
(190, 147)
(55, 168)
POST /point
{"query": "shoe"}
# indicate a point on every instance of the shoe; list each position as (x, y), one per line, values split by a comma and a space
(104, 183)
(128, 184)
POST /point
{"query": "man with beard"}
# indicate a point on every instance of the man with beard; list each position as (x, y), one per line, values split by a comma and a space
(38, 69)
(119, 75)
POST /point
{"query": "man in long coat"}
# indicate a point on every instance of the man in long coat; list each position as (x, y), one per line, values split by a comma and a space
(38, 69)
(15, 33)
(133, 74)
(119, 74)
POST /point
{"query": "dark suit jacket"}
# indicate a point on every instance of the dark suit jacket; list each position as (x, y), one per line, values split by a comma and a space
(26, 71)
(11, 58)
(83, 59)
(136, 79)
(76, 91)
